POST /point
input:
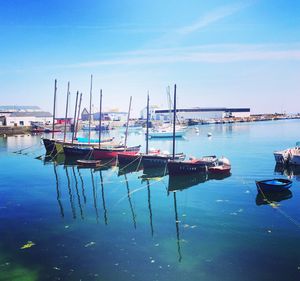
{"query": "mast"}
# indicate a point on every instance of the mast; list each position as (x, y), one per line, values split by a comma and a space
(90, 115)
(76, 130)
(128, 116)
(54, 107)
(66, 116)
(174, 121)
(147, 125)
(100, 117)
(74, 122)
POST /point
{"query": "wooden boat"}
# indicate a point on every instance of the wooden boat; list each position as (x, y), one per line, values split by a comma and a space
(192, 165)
(49, 145)
(112, 152)
(220, 169)
(273, 185)
(160, 159)
(127, 157)
(83, 152)
(89, 163)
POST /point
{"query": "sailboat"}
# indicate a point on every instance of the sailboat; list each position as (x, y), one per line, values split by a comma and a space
(107, 152)
(152, 158)
(166, 130)
(160, 159)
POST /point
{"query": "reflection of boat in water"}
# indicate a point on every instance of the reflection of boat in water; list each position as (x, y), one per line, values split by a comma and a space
(154, 173)
(181, 182)
(267, 198)
(131, 168)
(290, 171)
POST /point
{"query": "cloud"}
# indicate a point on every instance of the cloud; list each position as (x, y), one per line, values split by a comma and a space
(198, 54)
(212, 17)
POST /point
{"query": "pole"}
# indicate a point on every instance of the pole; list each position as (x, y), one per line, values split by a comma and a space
(76, 130)
(75, 112)
(100, 117)
(128, 116)
(90, 115)
(54, 107)
(66, 115)
(147, 127)
(174, 121)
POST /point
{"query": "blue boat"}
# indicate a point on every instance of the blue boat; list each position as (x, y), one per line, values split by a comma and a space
(273, 185)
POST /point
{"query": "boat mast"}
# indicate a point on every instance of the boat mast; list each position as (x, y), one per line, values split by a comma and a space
(75, 112)
(66, 115)
(174, 121)
(54, 107)
(76, 130)
(100, 118)
(147, 126)
(128, 116)
(90, 115)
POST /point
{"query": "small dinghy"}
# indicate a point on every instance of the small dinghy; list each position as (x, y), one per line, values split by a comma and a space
(273, 185)
(89, 163)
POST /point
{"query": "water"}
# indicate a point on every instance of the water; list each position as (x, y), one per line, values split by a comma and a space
(111, 225)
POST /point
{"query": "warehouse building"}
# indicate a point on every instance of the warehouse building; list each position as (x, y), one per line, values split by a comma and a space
(198, 113)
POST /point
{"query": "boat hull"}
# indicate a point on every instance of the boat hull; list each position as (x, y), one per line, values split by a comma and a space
(78, 152)
(49, 146)
(274, 185)
(182, 168)
(158, 161)
(108, 153)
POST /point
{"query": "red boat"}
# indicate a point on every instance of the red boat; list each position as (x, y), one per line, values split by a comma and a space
(112, 152)
(220, 169)
(127, 157)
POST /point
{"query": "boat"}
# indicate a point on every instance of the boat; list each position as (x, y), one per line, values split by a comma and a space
(288, 156)
(223, 167)
(273, 185)
(160, 159)
(81, 152)
(89, 163)
(281, 157)
(112, 152)
(166, 133)
(191, 166)
(294, 155)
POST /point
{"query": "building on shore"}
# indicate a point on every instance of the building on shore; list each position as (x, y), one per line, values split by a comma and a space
(24, 116)
(106, 116)
(197, 113)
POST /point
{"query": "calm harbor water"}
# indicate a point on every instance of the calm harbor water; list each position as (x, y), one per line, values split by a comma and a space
(118, 224)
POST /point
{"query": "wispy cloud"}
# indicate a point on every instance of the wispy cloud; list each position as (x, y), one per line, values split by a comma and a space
(212, 17)
(198, 54)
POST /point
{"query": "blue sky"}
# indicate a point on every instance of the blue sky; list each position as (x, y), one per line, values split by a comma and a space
(219, 53)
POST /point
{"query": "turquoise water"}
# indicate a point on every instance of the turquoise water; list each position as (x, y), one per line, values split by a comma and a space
(112, 225)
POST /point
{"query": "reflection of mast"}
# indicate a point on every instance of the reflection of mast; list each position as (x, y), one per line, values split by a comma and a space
(177, 228)
(58, 192)
(103, 198)
(82, 186)
(150, 209)
(95, 195)
(70, 194)
(78, 196)
(130, 203)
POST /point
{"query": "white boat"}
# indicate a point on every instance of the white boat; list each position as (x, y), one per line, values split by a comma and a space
(294, 155)
(281, 157)
(166, 133)
(288, 156)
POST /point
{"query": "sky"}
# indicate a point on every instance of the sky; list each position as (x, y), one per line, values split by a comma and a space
(219, 53)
